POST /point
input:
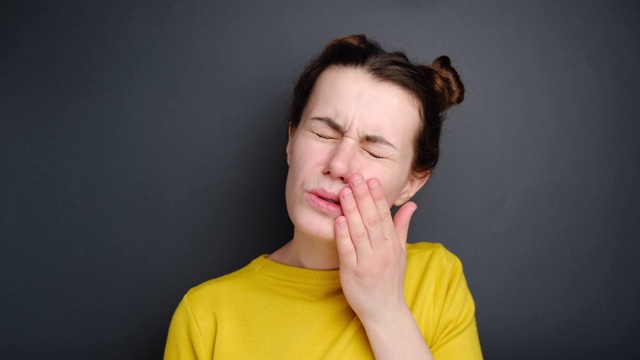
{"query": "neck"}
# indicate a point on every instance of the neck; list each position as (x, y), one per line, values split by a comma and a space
(307, 252)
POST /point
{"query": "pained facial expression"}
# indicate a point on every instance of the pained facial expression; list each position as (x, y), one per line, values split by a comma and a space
(353, 123)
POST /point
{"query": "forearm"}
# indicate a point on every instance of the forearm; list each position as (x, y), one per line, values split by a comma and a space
(397, 337)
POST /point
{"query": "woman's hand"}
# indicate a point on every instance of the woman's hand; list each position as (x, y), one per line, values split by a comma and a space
(372, 250)
(371, 246)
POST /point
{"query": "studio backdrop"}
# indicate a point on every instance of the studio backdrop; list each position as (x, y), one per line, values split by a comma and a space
(142, 152)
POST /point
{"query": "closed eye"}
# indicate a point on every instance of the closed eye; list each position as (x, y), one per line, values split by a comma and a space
(322, 136)
(374, 155)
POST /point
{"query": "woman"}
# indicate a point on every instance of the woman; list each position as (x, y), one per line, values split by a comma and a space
(363, 136)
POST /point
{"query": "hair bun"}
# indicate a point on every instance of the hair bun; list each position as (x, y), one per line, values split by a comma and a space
(446, 82)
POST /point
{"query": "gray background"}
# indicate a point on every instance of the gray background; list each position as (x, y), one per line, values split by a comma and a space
(142, 152)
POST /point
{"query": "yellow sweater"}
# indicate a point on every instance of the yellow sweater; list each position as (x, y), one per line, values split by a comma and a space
(267, 310)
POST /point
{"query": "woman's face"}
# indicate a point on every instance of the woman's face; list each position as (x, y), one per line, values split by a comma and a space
(352, 124)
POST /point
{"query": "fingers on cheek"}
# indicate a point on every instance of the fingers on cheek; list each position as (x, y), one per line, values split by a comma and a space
(375, 189)
(379, 198)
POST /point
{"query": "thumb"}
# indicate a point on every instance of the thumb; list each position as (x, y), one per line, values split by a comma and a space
(402, 219)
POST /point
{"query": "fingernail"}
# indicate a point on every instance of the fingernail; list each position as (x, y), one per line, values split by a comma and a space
(374, 185)
(357, 182)
(347, 196)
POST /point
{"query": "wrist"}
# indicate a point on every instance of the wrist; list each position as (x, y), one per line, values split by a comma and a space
(396, 336)
(388, 319)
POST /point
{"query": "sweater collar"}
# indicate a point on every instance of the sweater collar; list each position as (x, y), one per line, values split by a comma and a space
(283, 272)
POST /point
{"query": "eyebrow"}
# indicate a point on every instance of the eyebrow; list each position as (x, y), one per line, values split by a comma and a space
(373, 139)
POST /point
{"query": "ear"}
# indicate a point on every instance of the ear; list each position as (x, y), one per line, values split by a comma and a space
(288, 149)
(415, 183)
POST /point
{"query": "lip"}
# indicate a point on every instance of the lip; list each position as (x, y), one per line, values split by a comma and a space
(322, 200)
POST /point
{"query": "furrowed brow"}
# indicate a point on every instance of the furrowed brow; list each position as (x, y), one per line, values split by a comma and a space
(329, 122)
(372, 139)
(375, 139)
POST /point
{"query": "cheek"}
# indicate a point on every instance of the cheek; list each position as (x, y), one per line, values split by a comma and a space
(394, 181)
(392, 196)
(391, 186)
(301, 162)
(308, 153)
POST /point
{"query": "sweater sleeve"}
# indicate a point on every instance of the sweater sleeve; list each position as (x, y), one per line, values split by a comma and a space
(185, 340)
(457, 333)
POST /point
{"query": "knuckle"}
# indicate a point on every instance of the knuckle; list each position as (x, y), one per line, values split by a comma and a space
(361, 193)
(365, 271)
(373, 221)
(349, 208)
(385, 216)
(347, 251)
(378, 195)
(360, 236)
(360, 273)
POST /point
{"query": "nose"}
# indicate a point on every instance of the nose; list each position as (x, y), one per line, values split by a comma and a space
(341, 162)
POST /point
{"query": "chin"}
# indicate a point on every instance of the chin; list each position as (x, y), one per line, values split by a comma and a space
(314, 226)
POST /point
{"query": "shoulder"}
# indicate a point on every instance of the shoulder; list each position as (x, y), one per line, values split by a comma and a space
(224, 287)
(432, 264)
(195, 321)
(438, 295)
(432, 254)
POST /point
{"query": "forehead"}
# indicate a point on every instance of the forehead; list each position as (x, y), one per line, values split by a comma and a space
(357, 100)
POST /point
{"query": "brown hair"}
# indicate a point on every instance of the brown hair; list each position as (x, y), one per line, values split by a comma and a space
(436, 86)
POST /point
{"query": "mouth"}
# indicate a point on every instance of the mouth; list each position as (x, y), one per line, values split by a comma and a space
(325, 201)
(330, 201)
(327, 196)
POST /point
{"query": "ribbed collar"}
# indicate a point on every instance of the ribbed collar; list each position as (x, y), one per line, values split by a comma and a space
(268, 267)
